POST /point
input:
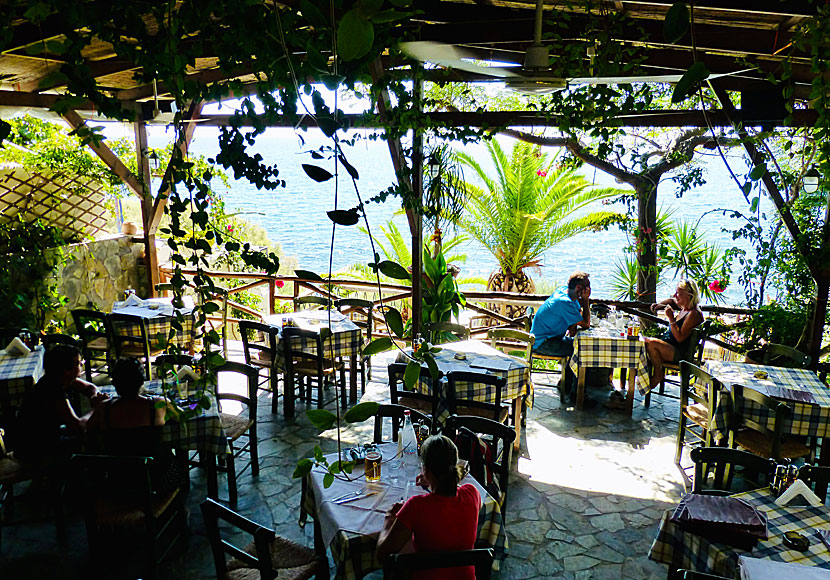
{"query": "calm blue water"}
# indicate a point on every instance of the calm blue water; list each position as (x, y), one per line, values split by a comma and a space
(295, 216)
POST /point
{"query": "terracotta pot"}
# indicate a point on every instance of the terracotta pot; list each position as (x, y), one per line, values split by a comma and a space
(129, 228)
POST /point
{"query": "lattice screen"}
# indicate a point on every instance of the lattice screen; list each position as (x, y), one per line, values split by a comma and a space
(74, 205)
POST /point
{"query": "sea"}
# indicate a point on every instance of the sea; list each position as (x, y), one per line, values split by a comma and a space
(295, 216)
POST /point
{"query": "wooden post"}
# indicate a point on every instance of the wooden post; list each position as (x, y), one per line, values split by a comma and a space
(151, 260)
(415, 219)
(647, 247)
(272, 299)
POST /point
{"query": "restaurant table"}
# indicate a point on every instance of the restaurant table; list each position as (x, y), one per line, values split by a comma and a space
(808, 419)
(160, 314)
(481, 357)
(681, 549)
(346, 340)
(17, 375)
(602, 346)
(351, 529)
(203, 433)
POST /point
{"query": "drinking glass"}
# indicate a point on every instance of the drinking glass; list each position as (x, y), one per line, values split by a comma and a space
(373, 460)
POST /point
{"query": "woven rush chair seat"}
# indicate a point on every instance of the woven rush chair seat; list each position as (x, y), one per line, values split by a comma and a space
(418, 404)
(479, 412)
(123, 514)
(99, 343)
(697, 413)
(760, 444)
(309, 368)
(262, 359)
(235, 425)
(12, 471)
(291, 559)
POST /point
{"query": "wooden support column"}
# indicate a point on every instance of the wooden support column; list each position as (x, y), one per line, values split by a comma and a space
(151, 261)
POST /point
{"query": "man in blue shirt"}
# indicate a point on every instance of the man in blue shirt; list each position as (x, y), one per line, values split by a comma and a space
(557, 321)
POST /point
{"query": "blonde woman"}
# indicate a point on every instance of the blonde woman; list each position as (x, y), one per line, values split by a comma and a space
(684, 315)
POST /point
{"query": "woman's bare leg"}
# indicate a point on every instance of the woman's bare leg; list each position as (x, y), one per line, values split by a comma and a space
(658, 352)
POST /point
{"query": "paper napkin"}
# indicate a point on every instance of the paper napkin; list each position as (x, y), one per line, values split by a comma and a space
(186, 373)
(798, 489)
(17, 348)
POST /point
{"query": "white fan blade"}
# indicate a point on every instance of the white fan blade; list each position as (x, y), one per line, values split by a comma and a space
(624, 80)
(449, 56)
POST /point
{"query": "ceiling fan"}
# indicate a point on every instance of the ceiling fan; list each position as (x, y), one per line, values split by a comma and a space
(534, 77)
(156, 116)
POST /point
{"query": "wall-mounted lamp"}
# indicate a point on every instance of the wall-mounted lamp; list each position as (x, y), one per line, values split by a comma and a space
(154, 159)
(810, 181)
(433, 167)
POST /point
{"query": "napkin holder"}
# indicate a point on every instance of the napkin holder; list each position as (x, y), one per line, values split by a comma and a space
(17, 347)
(133, 300)
(798, 489)
(186, 373)
(719, 519)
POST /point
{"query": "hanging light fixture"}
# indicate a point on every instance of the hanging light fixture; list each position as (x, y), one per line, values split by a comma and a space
(810, 181)
(433, 167)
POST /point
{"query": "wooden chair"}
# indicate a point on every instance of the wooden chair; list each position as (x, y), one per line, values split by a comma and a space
(694, 355)
(461, 388)
(95, 334)
(49, 341)
(121, 504)
(751, 470)
(361, 312)
(238, 427)
(816, 479)
(699, 392)
(496, 466)
(513, 342)
(259, 341)
(759, 438)
(309, 367)
(692, 575)
(312, 303)
(131, 338)
(396, 414)
(166, 365)
(782, 355)
(266, 557)
(425, 402)
(401, 566)
(12, 471)
(442, 332)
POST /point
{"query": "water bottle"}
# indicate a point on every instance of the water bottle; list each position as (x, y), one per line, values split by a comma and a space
(407, 443)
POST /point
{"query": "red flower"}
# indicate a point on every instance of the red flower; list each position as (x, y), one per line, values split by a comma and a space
(647, 230)
(541, 173)
(279, 283)
(230, 228)
(717, 286)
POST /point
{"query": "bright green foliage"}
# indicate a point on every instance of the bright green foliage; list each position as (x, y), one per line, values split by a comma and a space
(527, 206)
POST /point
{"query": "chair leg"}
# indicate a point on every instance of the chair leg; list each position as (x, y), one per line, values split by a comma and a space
(252, 443)
(647, 400)
(681, 435)
(231, 468)
(273, 378)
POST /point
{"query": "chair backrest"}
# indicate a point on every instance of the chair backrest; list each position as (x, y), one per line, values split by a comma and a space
(360, 307)
(439, 332)
(499, 438)
(751, 470)
(400, 566)
(777, 410)
(816, 478)
(782, 355)
(250, 373)
(396, 413)
(117, 477)
(93, 330)
(51, 340)
(698, 387)
(262, 538)
(510, 340)
(259, 341)
(479, 390)
(129, 330)
(429, 392)
(697, 341)
(312, 302)
(170, 363)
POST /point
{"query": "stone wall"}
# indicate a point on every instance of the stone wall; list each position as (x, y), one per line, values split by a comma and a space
(97, 273)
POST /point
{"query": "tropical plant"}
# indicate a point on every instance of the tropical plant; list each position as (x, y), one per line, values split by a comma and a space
(527, 208)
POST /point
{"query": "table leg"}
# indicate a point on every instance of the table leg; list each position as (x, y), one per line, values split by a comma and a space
(580, 388)
(288, 389)
(320, 551)
(629, 398)
(353, 378)
(517, 419)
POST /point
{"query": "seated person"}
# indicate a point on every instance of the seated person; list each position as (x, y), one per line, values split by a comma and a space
(675, 342)
(445, 519)
(557, 321)
(130, 424)
(49, 430)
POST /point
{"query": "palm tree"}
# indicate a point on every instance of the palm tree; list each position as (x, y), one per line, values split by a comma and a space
(527, 208)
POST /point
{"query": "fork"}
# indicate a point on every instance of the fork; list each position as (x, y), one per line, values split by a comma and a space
(357, 493)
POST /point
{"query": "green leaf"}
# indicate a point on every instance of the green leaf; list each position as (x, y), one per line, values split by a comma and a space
(355, 36)
(321, 418)
(331, 82)
(394, 320)
(315, 57)
(676, 24)
(5, 131)
(313, 14)
(344, 217)
(328, 479)
(347, 466)
(754, 206)
(349, 167)
(758, 172)
(336, 467)
(686, 85)
(394, 270)
(327, 125)
(361, 412)
(369, 8)
(308, 275)
(210, 307)
(316, 173)
(411, 374)
(385, 16)
(318, 454)
(400, 3)
(432, 365)
(378, 345)
(303, 468)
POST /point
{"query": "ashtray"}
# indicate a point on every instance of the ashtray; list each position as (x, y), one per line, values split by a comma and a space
(760, 374)
(153, 306)
(460, 356)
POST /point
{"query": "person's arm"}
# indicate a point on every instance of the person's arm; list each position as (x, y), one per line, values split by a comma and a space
(394, 535)
(655, 308)
(68, 417)
(586, 309)
(680, 334)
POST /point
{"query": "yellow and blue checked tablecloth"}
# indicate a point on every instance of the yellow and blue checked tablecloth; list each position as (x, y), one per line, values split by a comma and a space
(17, 375)
(345, 340)
(598, 348)
(162, 323)
(203, 433)
(353, 552)
(685, 550)
(480, 358)
(806, 419)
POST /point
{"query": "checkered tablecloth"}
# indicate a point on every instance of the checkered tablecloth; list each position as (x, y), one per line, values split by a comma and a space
(203, 433)
(160, 323)
(17, 375)
(597, 348)
(684, 550)
(806, 419)
(345, 340)
(480, 358)
(353, 552)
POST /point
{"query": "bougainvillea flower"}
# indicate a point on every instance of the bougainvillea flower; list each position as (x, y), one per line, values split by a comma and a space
(279, 283)
(541, 173)
(717, 286)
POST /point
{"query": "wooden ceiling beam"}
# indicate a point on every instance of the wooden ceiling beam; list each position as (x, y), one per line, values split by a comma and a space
(769, 7)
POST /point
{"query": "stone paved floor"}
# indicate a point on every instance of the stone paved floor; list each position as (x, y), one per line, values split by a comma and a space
(584, 501)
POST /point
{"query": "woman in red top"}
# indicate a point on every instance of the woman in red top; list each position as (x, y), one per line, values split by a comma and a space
(446, 519)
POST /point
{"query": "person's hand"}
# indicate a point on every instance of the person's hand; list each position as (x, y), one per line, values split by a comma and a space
(97, 399)
(421, 481)
(394, 509)
(654, 308)
(670, 313)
